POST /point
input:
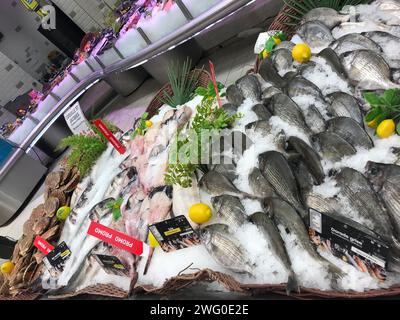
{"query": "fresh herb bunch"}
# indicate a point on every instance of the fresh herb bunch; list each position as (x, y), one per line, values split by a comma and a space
(183, 84)
(385, 106)
(271, 43)
(142, 125)
(209, 92)
(86, 149)
(301, 7)
(208, 117)
(115, 205)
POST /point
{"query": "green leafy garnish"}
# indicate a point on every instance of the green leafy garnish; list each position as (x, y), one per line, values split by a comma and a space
(141, 128)
(115, 206)
(385, 106)
(209, 118)
(86, 149)
(209, 92)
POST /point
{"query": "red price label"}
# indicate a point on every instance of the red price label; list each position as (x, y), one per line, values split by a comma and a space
(116, 238)
(110, 137)
(214, 80)
(43, 245)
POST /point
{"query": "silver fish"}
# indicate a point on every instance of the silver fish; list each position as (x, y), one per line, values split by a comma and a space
(351, 131)
(305, 180)
(261, 111)
(300, 86)
(250, 87)
(285, 215)
(390, 45)
(270, 74)
(354, 27)
(271, 233)
(386, 181)
(270, 92)
(234, 95)
(264, 128)
(288, 45)
(311, 158)
(224, 251)
(314, 120)
(367, 70)
(328, 15)
(282, 59)
(216, 184)
(333, 61)
(277, 171)
(229, 209)
(227, 167)
(344, 105)
(260, 186)
(332, 146)
(316, 34)
(357, 189)
(286, 109)
(230, 108)
(324, 205)
(355, 41)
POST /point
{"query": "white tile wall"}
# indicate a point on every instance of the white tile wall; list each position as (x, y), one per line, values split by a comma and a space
(88, 16)
(10, 80)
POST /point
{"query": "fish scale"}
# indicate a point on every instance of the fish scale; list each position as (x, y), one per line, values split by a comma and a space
(277, 171)
(355, 187)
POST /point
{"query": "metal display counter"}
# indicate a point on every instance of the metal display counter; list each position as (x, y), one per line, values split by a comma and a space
(116, 68)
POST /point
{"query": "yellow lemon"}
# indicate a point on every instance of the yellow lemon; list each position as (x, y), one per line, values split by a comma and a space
(148, 123)
(265, 54)
(63, 213)
(301, 52)
(200, 213)
(7, 267)
(277, 40)
(372, 123)
(152, 240)
(386, 128)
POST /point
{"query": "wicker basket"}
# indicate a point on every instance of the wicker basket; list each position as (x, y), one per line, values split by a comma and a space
(156, 103)
(279, 24)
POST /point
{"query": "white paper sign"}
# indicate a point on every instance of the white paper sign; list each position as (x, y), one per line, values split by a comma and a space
(77, 121)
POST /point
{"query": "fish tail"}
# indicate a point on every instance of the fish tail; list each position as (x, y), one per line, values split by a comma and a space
(292, 284)
(336, 272)
(146, 267)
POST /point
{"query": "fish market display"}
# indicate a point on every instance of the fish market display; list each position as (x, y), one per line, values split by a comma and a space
(303, 142)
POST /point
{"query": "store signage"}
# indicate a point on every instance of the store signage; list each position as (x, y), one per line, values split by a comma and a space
(174, 234)
(57, 257)
(42, 245)
(350, 242)
(116, 238)
(77, 121)
(111, 264)
(110, 137)
(214, 80)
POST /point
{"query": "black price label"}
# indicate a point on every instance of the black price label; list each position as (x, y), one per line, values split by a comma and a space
(175, 234)
(111, 264)
(57, 257)
(350, 241)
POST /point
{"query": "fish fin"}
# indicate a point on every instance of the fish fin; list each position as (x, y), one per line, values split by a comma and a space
(336, 273)
(292, 284)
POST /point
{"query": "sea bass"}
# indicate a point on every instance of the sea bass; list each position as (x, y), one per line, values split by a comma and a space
(271, 233)
(224, 251)
(277, 171)
(367, 70)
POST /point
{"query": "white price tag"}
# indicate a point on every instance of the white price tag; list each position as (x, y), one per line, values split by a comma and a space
(77, 121)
